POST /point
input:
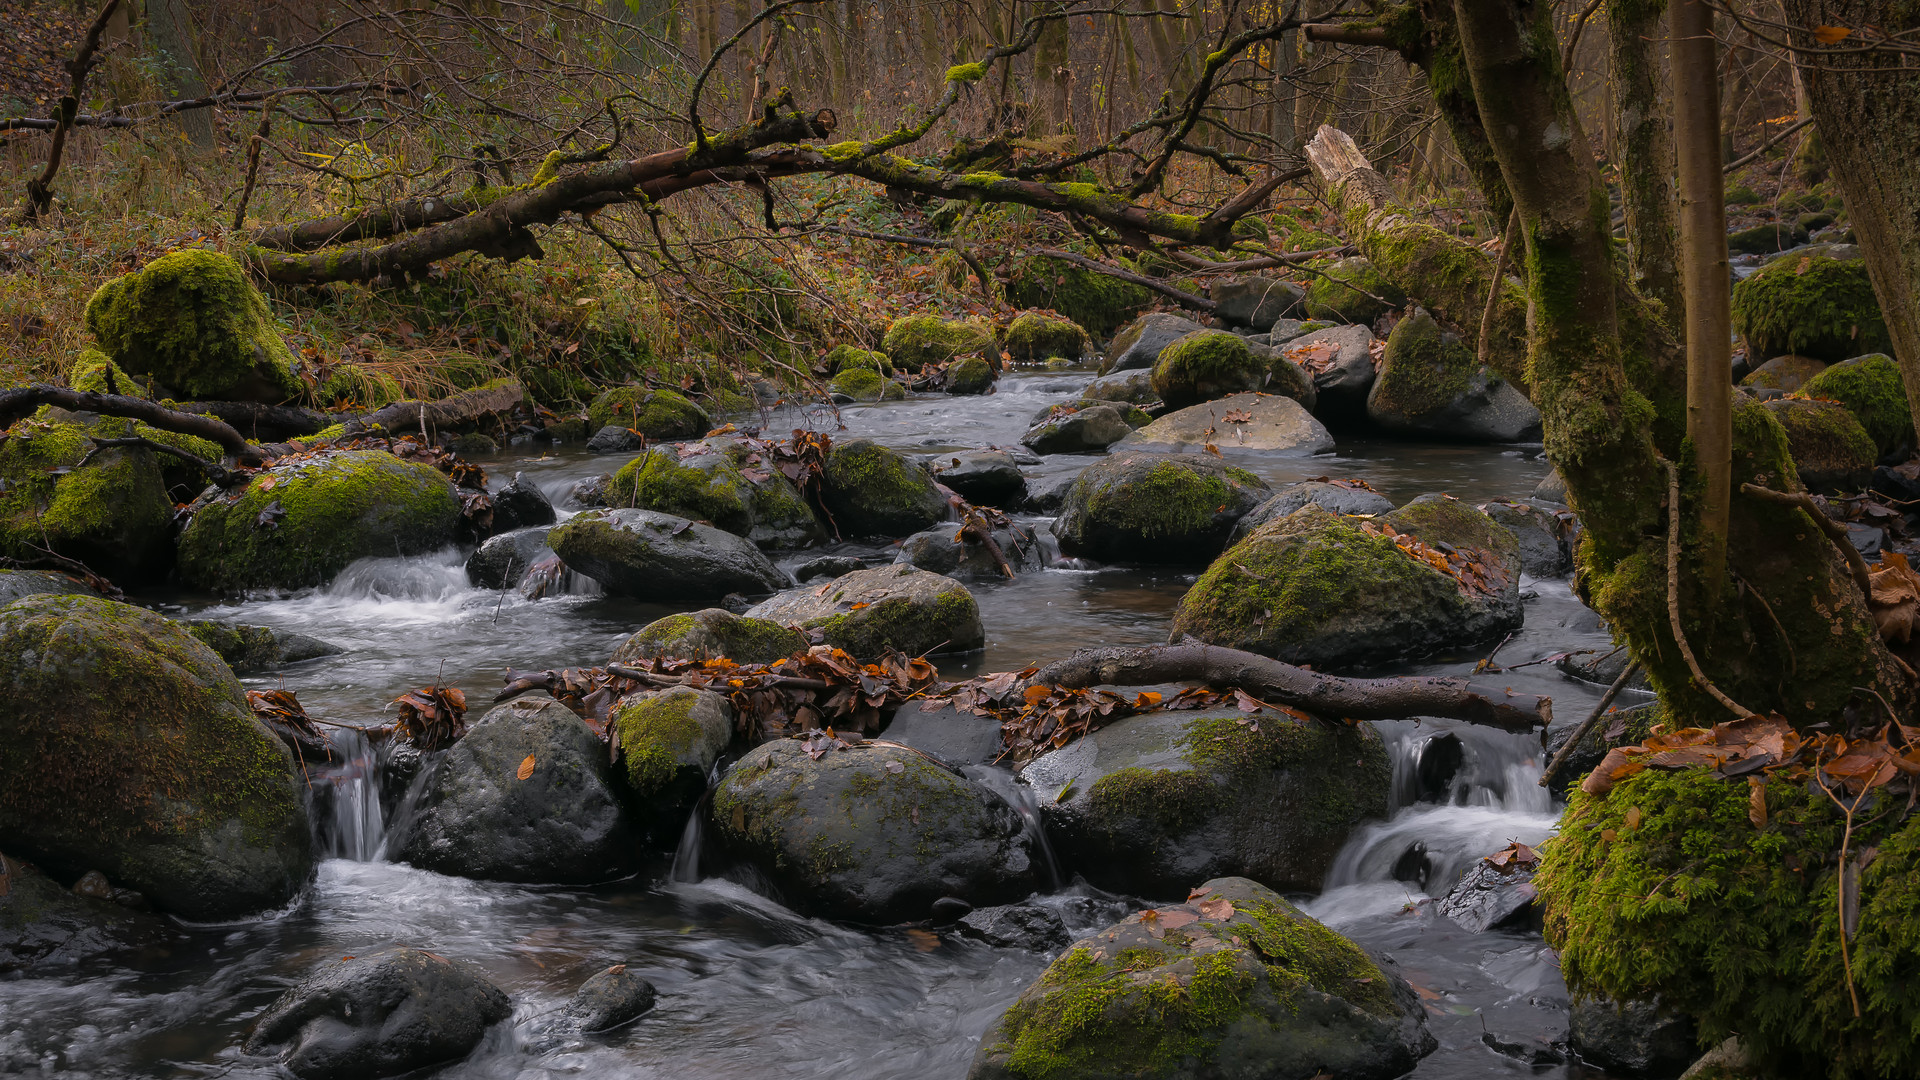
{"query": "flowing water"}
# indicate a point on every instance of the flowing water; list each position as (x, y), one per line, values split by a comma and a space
(749, 989)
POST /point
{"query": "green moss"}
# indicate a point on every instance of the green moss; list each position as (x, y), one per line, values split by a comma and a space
(1174, 799)
(866, 384)
(867, 483)
(711, 634)
(715, 493)
(192, 320)
(1100, 303)
(1741, 195)
(657, 736)
(847, 357)
(1423, 373)
(1035, 335)
(1870, 388)
(655, 413)
(1204, 365)
(969, 375)
(1344, 292)
(360, 386)
(1168, 501)
(844, 151)
(1739, 925)
(1812, 306)
(113, 514)
(914, 341)
(1828, 445)
(90, 374)
(966, 73)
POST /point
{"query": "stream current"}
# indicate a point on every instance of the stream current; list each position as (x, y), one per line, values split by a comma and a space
(747, 988)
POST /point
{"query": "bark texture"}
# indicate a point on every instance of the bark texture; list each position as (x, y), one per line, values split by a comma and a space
(1646, 149)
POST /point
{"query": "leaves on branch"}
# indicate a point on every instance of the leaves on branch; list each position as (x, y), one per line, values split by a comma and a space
(283, 715)
(431, 718)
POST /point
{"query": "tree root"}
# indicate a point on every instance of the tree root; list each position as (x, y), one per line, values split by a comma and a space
(1284, 684)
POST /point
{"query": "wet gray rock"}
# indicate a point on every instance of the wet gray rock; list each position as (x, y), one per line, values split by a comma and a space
(615, 439)
(953, 736)
(381, 1014)
(1430, 383)
(1488, 896)
(875, 834)
(1151, 804)
(502, 560)
(1285, 331)
(1639, 1038)
(1139, 343)
(591, 492)
(937, 550)
(1262, 424)
(895, 607)
(1017, 926)
(1047, 494)
(1345, 378)
(873, 491)
(711, 632)
(1155, 508)
(1081, 431)
(562, 825)
(1543, 536)
(661, 557)
(15, 584)
(1335, 498)
(521, 505)
(1284, 377)
(250, 649)
(609, 999)
(1253, 300)
(982, 477)
(43, 925)
(1552, 488)
(827, 566)
(1126, 387)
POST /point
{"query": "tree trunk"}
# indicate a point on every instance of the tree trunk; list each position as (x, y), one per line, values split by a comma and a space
(1866, 106)
(170, 32)
(1646, 149)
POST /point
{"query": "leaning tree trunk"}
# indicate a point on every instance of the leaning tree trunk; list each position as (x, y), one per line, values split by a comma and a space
(1866, 105)
(1794, 634)
(1646, 149)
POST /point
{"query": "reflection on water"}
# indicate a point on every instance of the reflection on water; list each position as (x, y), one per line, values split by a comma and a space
(748, 988)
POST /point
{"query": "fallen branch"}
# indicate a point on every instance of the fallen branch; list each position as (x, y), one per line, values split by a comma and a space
(22, 401)
(257, 421)
(464, 407)
(1184, 299)
(1754, 155)
(1834, 530)
(1263, 262)
(174, 108)
(1567, 748)
(215, 471)
(1284, 684)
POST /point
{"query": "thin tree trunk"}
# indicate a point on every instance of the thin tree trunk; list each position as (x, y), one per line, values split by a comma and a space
(170, 32)
(1646, 149)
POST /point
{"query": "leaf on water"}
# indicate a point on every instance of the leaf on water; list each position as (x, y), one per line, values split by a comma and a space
(923, 940)
(526, 768)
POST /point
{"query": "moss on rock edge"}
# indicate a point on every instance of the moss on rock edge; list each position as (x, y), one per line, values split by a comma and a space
(192, 320)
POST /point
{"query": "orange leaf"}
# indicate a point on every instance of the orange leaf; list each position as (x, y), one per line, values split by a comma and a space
(1757, 802)
(526, 768)
(1831, 35)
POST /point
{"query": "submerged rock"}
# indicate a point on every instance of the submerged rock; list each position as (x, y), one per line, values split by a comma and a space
(504, 559)
(1140, 342)
(43, 925)
(194, 321)
(661, 557)
(895, 607)
(1313, 588)
(609, 999)
(477, 817)
(1150, 804)
(128, 748)
(300, 523)
(719, 481)
(873, 491)
(381, 1014)
(1236, 982)
(1250, 423)
(248, 649)
(710, 633)
(1155, 508)
(874, 834)
(1332, 496)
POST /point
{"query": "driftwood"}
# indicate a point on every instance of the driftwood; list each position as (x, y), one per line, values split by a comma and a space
(1283, 684)
(22, 401)
(405, 417)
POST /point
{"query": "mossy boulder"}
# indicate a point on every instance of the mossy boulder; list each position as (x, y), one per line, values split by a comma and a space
(1346, 291)
(1247, 423)
(1313, 588)
(1204, 365)
(914, 341)
(1870, 388)
(301, 522)
(112, 514)
(1431, 384)
(1233, 983)
(1813, 306)
(1155, 508)
(866, 384)
(662, 558)
(1664, 886)
(1037, 335)
(561, 824)
(1765, 238)
(873, 491)
(1783, 373)
(970, 375)
(874, 834)
(669, 742)
(93, 373)
(722, 482)
(868, 612)
(129, 749)
(1141, 341)
(1151, 804)
(1094, 300)
(192, 320)
(1545, 538)
(842, 358)
(711, 633)
(1336, 498)
(659, 414)
(1832, 451)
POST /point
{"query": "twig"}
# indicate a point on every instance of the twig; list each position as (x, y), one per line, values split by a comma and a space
(215, 471)
(1566, 749)
(789, 681)
(1840, 892)
(1184, 299)
(1499, 276)
(1768, 145)
(254, 144)
(1673, 596)
(1834, 530)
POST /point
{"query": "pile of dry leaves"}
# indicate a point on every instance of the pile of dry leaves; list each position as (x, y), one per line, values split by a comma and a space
(1473, 568)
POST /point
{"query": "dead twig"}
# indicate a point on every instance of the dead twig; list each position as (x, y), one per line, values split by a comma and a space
(1566, 749)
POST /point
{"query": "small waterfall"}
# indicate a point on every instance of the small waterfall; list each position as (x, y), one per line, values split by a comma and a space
(356, 829)
(686, 857)
(1025, 802)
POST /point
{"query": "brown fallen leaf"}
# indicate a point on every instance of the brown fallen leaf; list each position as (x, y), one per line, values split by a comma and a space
(1757, 801)
(1219, 909)
(526, 768)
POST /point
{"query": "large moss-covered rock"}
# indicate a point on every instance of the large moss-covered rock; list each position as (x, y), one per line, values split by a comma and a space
(1151, 804)
(1870, 387)
(866, 384)
(1204, 365)
(661, 557)
(873, 491)
(1765, 238)
(1811, 305)
(301, 522)
(1431, 384)
(722, 482)
(711, 633)
(477, 817)
(1036, 335)
(1252, 423)
(1831, 450)
(1345, 292)
(1155, 508)
(1096, 301)
(113, 514)
(970, 375)
(1642, 886)
(1312, 588)
(1140, 342)
(868, 612)
(129, 749)
(874, 834)
(842, 358)
(1783, 373)
(658, 414)
(914, 341)
(669, 742)
(1233, 984)
(193, 321)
